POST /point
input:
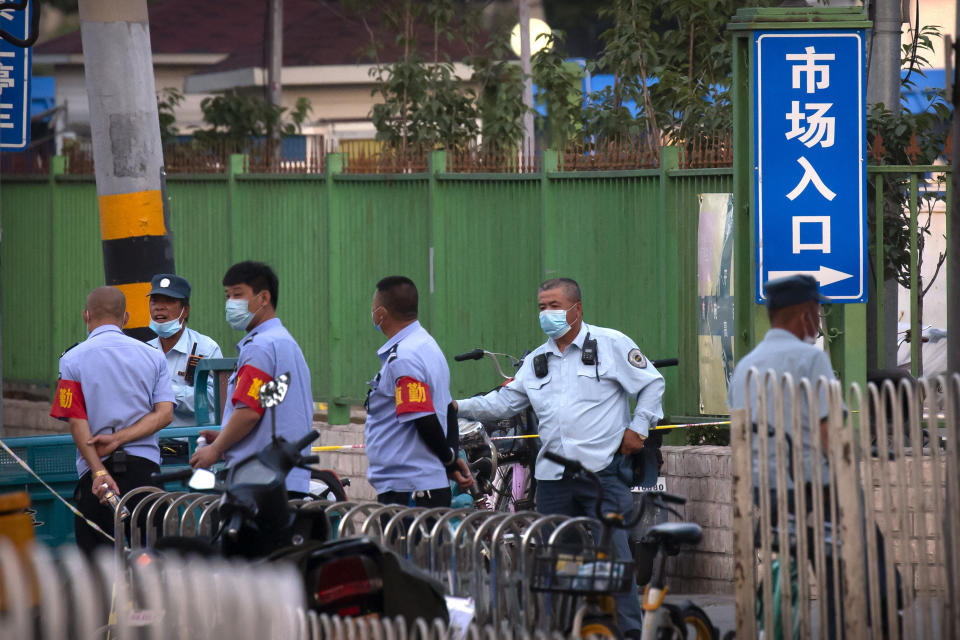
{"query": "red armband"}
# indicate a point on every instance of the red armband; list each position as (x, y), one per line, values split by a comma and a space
(249, 381)
(68, 401)
(413, 396)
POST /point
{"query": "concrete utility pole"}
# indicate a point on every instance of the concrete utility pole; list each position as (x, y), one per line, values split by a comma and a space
(953, 258)
(127, 154)
(883, 86)
(523, 13)
(275, 66)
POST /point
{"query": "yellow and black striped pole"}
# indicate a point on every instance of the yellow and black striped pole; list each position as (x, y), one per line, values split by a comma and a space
(127, 153)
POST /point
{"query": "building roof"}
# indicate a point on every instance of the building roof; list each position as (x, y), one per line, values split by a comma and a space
(316, 32)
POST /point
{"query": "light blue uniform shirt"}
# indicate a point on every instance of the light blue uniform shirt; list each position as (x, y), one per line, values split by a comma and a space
(399, 460)
(580, 417)
(782, 352)
(121, 379)
(183, 414)
(270, 348)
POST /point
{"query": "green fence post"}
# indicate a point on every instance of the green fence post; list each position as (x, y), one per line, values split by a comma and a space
(436, 267)
(236, 164)
(338, 407)
(550, 163)
(671, 284)
(750, 322)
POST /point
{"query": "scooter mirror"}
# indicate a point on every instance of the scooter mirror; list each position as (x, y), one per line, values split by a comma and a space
(272, 393)
(203, 480)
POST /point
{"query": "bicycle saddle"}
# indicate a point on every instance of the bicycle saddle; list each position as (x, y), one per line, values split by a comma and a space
(673, 533)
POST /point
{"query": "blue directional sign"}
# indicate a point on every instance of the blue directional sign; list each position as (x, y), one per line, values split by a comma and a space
(15, 81)
(810, 162)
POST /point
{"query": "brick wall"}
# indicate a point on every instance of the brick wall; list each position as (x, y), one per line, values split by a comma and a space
(29, 418)
(703, 476)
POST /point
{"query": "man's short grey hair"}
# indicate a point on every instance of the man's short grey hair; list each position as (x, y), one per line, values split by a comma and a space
(570, 287)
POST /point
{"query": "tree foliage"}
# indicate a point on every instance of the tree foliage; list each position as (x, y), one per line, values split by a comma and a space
(907, 138)
(422, 101)
(235, 118)
(167, 101)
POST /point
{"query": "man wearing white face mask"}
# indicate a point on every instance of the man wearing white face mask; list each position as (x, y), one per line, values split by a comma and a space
(265, 352)
(183, 347)
(793, 306)
(580, 383)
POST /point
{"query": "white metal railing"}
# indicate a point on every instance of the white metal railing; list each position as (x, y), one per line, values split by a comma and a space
(871, 545)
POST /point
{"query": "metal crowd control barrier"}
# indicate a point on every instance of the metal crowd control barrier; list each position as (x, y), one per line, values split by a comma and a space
(146, 598)
(487, 556)
(860, 532)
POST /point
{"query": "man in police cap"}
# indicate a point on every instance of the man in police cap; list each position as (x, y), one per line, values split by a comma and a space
(580, 383)
(182, 346)
(115, 393)
(793, 306)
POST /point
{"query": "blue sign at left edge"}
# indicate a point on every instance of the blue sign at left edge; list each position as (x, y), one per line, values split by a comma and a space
(15, 73)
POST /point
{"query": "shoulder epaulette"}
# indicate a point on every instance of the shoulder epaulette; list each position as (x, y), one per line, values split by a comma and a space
(68, 349)
(392, 354)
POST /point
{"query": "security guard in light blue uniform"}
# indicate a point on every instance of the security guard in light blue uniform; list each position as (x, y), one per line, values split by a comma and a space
(580, 383)
(411, 431)
(267, 351)
(115, 393)
(183, 347)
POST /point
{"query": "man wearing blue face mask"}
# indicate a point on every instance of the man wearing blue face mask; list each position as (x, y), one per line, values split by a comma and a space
(183, 347)
(579, 383)
(265, 352)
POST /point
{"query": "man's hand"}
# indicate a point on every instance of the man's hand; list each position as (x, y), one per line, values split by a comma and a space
(205, 457)
(209, 434)
(105, 443)
(461, 475)
(102, 485)
(455, 407)
(632, 442)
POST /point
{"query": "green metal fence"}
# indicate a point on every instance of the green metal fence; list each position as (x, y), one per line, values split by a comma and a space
(911, 179)
(476, 244)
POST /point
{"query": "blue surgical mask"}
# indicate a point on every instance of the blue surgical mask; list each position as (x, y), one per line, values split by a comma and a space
(239, 315)
(375, 325)
(554, 322)
(167, 329)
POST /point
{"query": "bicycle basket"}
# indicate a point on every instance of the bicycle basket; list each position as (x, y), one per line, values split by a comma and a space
(561, 569)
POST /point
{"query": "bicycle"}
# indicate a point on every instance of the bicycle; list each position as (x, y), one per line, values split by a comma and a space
(503, 469)
(594, 573)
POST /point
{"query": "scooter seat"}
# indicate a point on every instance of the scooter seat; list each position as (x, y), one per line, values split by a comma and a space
(673, 533)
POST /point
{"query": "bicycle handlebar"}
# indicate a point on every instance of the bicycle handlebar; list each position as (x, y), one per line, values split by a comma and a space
(476, 354)
(666, 362)
(171, 476)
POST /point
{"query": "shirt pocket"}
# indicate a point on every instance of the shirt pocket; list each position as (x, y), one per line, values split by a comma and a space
(588, 386)
(537, 390)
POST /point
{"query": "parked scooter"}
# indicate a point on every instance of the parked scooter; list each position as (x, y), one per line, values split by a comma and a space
(346, 577)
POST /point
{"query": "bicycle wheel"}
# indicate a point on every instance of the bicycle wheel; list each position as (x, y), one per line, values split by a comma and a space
(502, 489)
(698, 624)
(600, 627)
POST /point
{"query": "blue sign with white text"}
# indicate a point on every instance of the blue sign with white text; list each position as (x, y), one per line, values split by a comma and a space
(810, 160)
(15, 81)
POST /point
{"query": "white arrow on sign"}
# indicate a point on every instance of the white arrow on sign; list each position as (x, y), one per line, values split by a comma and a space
(825, 275)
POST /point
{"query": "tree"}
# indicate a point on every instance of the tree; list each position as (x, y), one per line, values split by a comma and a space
(500, 95)
(559, 89)
(235, 119)
(167, 101)
(673, 61)
(424, 104)
(905, 138)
